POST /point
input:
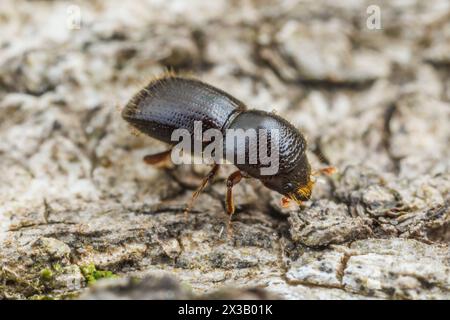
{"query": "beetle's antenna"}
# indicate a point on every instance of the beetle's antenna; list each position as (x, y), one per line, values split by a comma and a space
(328, 171)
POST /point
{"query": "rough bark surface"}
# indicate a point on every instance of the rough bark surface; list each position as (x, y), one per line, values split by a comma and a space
(77, 203)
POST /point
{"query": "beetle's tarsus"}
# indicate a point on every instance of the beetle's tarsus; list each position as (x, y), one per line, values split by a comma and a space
(285, 202)
(202, 186)
(232, 180)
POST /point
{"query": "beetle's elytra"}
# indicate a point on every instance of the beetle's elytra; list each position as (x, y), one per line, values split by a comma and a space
(172, 102)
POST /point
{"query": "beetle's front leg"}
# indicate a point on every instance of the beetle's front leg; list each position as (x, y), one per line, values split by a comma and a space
(232, 180)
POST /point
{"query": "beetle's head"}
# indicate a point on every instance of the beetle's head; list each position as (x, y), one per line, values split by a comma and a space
(295, 184)
(302, 192)
(300, 185)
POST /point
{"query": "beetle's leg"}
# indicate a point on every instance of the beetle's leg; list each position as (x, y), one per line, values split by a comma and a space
(197, 192)
(232, 180)
(285, 202)
(161, 159)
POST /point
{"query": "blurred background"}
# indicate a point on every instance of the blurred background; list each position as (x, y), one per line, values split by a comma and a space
(368, 82)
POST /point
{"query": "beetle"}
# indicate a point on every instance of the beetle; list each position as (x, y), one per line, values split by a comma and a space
(173, 102)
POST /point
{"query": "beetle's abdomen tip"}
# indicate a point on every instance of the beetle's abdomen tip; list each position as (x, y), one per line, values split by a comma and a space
(133, 108)
(128, 112)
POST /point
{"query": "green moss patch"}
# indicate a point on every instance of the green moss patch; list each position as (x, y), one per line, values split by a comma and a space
(46, 274)
(91, 274)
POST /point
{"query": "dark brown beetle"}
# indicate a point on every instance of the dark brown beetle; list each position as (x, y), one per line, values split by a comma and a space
(172, 102)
